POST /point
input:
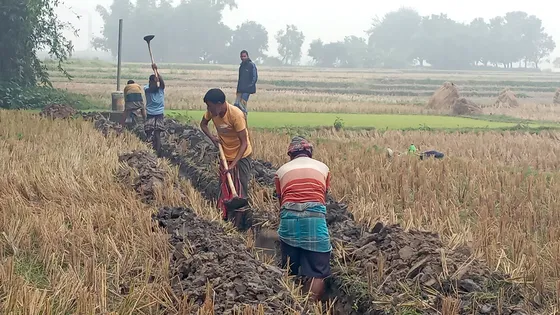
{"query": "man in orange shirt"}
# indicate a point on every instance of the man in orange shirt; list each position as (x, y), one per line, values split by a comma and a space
(232, 134)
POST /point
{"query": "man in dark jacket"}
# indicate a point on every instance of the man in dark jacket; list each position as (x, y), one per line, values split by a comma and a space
(247, 82)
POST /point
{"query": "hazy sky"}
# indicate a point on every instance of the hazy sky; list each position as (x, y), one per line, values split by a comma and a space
(332, 20)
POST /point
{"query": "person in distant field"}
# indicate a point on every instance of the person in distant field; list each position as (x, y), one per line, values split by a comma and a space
(154, 109)
(433, 153)
(233, 136)
(412, 149)
(247, 82)
(301, 187)
(133, 100)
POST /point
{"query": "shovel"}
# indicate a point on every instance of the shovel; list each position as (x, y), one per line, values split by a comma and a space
(235, 202)
(148, 39)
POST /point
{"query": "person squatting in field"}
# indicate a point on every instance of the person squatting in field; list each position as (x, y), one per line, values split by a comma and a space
(233, 136)
(301, 187)
(133, 100)
(247, 82)
(154, 109)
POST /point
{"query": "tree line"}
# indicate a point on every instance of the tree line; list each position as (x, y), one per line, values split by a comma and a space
(193, 32)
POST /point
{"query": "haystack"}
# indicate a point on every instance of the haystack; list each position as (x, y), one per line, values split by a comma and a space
(444, 97)
(463, 106)
(506, 99)
(556, 99)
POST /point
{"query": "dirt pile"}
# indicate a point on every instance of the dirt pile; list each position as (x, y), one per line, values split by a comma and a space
(197, 159)
(556, 99)
(444, 97)
(102, 124)
(463, 106)
(58, 111)
(506, 99)
(143, 173)
(203, 253)
(394, 261)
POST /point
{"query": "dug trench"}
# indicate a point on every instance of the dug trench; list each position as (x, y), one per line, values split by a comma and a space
(211, 270)
(205, 257)
(376, 270)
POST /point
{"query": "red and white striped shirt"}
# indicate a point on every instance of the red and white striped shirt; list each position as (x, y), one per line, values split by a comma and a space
(302, 180)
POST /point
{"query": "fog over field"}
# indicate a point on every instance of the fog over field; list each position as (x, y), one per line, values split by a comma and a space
(328, 20)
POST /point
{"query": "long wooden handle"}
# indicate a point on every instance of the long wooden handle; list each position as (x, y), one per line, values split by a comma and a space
(152, 58)
(225, 165)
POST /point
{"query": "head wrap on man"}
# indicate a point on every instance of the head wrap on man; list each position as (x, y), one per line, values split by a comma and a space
(300, 144)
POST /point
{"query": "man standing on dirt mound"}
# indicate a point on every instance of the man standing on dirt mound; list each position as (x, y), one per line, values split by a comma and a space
(301, 187)
(232, 135)
(154, 109)
(247, 82)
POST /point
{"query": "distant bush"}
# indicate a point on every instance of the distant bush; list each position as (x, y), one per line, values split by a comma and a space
(15, 97)
(338, 124)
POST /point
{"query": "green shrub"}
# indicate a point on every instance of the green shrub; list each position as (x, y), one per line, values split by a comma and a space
(338, 123)
(16, 97)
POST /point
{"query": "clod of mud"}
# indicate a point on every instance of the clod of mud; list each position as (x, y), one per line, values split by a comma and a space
(203, 253)
(58, 111)
(143, 173)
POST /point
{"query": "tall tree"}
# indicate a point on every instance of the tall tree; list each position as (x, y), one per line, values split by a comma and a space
(480, 32)
(29, 26)
(316, 51)
(203, 36)
(391, 37)
(544, 47)
(356, 52)
(290, 41)
(250, 36)
(120, 9)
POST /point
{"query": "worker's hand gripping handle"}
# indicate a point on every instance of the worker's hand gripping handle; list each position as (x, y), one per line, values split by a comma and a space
(225, 165)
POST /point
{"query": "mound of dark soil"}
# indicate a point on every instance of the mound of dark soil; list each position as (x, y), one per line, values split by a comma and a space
(102, 124)
(142, 173)
(58, 111)
(203, 253)
(197, 159)
(403, 267)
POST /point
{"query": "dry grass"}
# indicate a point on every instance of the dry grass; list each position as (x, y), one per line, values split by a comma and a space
(315, 90)
(72, 239)
(479, 195)
(75, 241)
